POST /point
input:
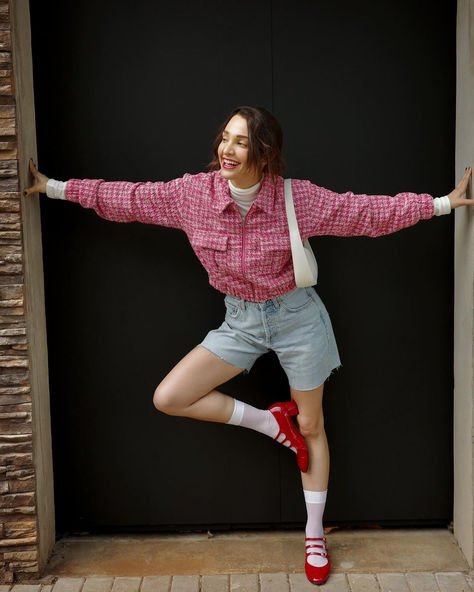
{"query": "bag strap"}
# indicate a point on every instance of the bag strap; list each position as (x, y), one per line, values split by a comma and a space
(300, 261)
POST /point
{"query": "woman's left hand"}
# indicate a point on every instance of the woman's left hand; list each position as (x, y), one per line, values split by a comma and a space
(457, 197)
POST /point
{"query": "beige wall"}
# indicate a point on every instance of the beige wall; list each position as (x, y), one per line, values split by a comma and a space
(464, 290)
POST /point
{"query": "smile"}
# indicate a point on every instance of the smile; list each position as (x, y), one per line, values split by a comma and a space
(229, 164)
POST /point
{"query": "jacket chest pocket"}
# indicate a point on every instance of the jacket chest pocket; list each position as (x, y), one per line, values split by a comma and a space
(210, 247)
(275, 253)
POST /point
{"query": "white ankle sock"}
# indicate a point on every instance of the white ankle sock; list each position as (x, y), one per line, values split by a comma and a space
(315, 502)
(260, 420)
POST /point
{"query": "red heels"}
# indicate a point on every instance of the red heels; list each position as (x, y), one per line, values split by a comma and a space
(288, 434)
(317, 575)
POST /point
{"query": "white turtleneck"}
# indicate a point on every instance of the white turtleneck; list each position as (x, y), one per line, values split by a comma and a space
(244, 198)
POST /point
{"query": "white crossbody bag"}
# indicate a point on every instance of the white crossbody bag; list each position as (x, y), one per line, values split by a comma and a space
(304, 261)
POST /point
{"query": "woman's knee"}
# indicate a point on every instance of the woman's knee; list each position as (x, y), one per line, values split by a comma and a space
(165, 400)
(311, 426)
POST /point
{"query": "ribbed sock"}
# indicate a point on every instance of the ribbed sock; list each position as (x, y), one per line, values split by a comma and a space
(260, 420)
(315, 503)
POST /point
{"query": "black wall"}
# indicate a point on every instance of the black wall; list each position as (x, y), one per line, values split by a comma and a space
(365, 93)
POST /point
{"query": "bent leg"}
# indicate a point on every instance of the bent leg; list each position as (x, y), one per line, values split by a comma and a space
(188, 390)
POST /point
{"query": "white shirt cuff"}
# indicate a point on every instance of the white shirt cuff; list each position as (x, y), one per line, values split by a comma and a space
(442, 205)
(56, 189)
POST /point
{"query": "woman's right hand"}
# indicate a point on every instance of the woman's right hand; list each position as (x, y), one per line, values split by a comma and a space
(40, 181)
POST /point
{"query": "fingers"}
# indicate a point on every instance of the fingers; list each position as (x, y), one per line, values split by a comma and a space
(463, 183)
(33, 189)
(34, 171)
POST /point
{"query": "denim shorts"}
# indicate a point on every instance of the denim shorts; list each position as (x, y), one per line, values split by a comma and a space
(295, 325)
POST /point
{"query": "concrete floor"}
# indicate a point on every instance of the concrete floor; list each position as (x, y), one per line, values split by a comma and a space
(354, 551)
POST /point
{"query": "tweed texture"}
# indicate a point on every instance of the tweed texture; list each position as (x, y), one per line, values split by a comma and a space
(251, 260)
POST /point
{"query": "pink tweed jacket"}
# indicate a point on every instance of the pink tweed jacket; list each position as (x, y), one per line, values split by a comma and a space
(250, 260)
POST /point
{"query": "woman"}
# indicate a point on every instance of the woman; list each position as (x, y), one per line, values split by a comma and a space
(235, 219)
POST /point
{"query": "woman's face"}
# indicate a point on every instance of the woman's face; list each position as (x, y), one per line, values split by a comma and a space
(233, 154)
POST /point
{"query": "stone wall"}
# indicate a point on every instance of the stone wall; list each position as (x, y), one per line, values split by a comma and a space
(22, 462)
(18, 552)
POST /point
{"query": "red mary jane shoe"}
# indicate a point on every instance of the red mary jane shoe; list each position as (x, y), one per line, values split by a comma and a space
(317, 575)
(288, 434)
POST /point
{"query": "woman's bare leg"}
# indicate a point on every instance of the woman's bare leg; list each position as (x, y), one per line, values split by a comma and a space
(315, 480)
(188, 390)
(311, 425)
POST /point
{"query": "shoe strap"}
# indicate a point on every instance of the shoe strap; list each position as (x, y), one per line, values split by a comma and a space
(311, 546)
(293, 437)
(308, 553)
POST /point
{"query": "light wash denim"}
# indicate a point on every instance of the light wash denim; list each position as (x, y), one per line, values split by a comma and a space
(295, 325)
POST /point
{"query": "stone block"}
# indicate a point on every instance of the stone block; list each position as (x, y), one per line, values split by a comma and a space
(274, 582)
(17, 461)
(7, 312)
(22, 485)
(23, 566)
(17, 499)
(14, 379)
(6, 438)
(20, 529)
(13, 390)
(156, 584)
(8, 168)
(11, 303)
(68, 585)
(7, 447)
(13, 234)
(244, 583)
(185, 584)
(215, 583)
(97, 584)
(7, 127)
(422, 582)
(26, 510)
(14, 427)
(21, 555)
(10, 292)
(6, 86)
(9, 205)
(7, 111)
(453, 582)
(124, 584)
(363, 582)
(18, 331)
(16, 474)
(8, 339)
(10, 218)
(13, 361)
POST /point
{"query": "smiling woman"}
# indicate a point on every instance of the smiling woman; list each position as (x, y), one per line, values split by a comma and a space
(248, 143)
(235, 219)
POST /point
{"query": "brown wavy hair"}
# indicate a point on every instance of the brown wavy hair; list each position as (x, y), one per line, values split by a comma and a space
(265, 140)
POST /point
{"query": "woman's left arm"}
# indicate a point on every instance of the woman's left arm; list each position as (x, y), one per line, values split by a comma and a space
(323, 212)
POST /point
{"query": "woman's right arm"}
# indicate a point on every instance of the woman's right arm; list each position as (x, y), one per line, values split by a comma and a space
(121, 201)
